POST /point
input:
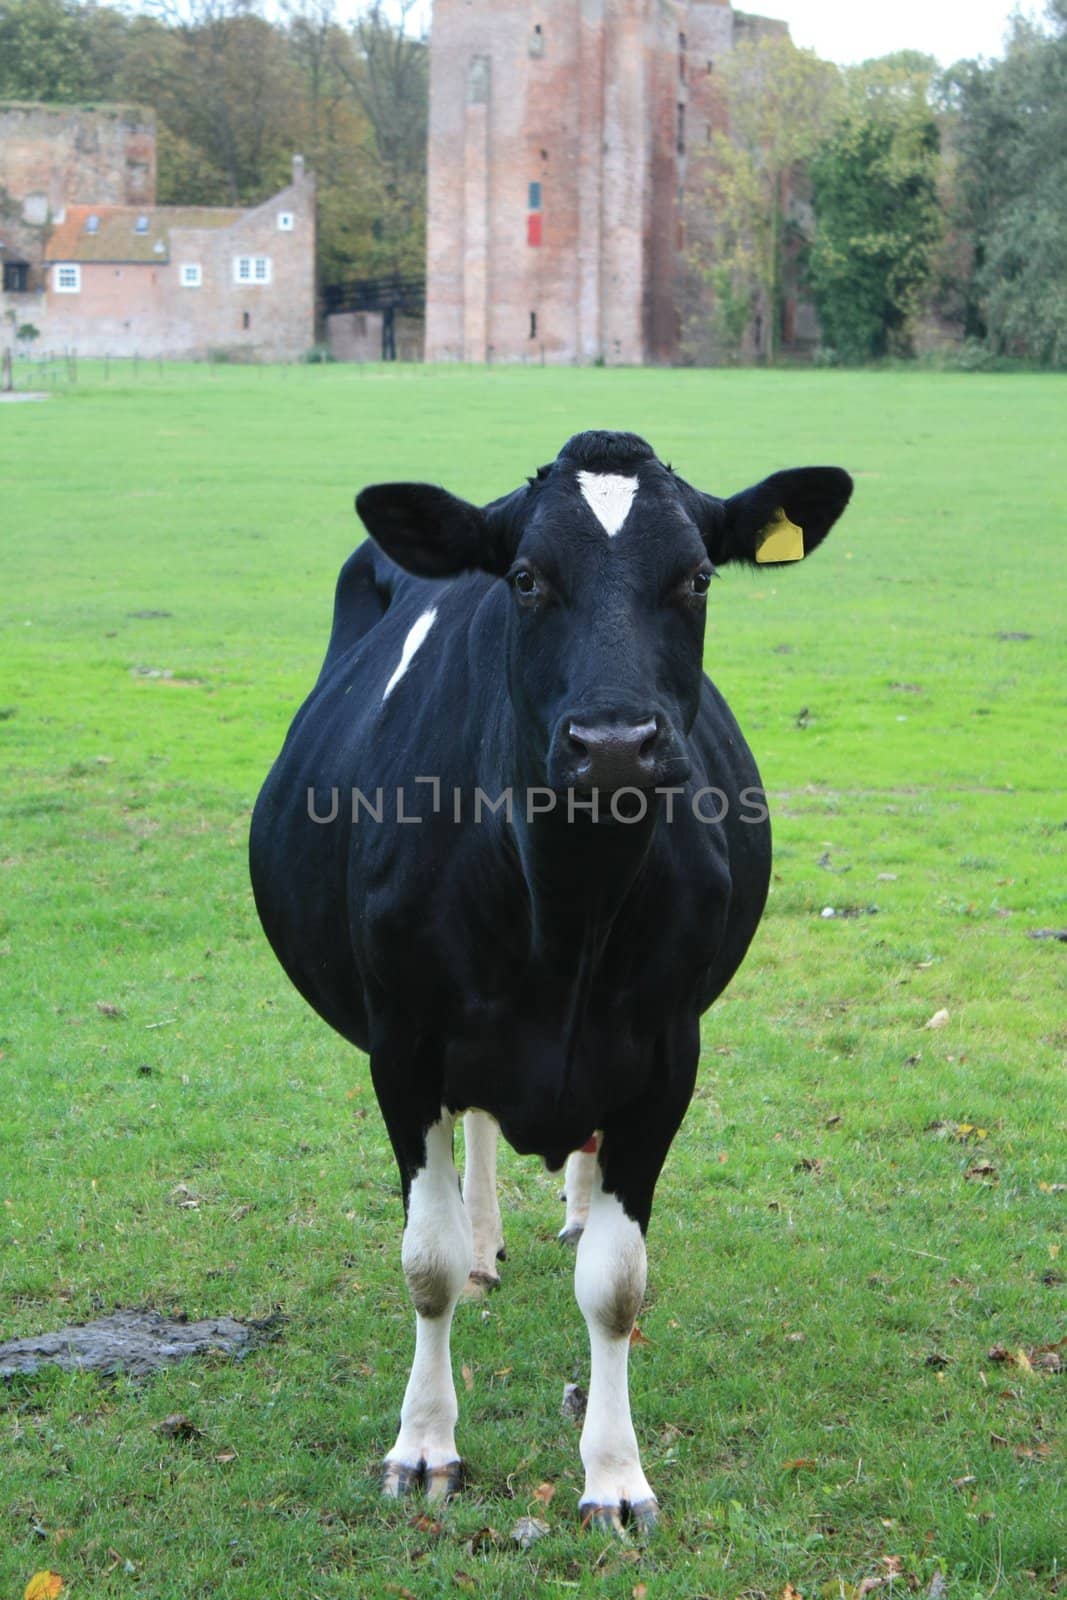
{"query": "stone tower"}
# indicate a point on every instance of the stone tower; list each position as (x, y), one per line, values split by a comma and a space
(559, 132)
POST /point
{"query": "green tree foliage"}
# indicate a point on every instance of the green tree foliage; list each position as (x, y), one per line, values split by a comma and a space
(878, 220)
(43, 50)
(777, 100)
(1008, 129)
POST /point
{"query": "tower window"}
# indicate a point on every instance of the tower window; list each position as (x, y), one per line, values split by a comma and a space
(533, 228)
(681, 128)
(533, 324)
(537, 41)
(534, 201)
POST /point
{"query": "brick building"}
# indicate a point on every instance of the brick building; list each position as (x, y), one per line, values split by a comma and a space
(560, 142)
(97, 267)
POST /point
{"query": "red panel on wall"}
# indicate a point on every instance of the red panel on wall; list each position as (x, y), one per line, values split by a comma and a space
(533, 228)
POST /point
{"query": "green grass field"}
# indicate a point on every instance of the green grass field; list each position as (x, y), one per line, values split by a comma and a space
(859, 1209)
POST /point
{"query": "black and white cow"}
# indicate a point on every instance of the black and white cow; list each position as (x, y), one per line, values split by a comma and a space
(513, 847)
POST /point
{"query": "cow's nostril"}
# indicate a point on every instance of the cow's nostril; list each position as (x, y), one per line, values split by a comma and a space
(648, 744)
(578, 744)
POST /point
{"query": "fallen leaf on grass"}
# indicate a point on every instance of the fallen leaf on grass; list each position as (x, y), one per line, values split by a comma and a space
(1051, 1188)
(789, 1593)
(481, 1540)
(463, 1580)
(637, 1337)
(468, 1378)
(545, 1493)
(940, 1019)
(809, 1164)
(801, 1464)
(43, 1586)
(426, 1524)
(178, 1426)
(226, 1456)
(528, 1530)
(982, 1169)
(106, 1009)
(639, 1591)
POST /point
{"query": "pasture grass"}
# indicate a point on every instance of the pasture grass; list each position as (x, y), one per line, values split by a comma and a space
(859, 1209)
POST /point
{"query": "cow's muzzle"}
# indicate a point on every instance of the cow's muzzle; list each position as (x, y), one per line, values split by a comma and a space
(589, 754)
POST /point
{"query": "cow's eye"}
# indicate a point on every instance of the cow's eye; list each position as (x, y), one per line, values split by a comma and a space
(700, 582)
(525, 584)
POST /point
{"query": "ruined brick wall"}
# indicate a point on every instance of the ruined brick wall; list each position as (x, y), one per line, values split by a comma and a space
(52, 156)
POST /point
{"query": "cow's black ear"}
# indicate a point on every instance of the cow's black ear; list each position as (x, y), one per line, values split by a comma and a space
(782, 519)
(430, 532)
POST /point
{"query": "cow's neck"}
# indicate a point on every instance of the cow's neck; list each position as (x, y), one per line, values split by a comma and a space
(579, 875)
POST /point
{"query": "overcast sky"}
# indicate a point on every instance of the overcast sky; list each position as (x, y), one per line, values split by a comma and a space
(854, 30)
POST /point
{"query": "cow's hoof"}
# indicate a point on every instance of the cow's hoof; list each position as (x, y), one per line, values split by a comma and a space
(639, 1519)
(399, 1480)
(570, 1235)
(443, 1482)
(440, 1483)
(479, 1284)
(644, 1517)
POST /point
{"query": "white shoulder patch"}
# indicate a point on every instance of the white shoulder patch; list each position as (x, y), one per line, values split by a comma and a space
(609, 496)
(416, 636)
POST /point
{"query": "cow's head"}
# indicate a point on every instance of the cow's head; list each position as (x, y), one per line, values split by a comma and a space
(608, 557)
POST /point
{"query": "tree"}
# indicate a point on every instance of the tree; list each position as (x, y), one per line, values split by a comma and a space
(878, 222)
(777, 101)
(389, 78)
(1008, 130)
(43, 51)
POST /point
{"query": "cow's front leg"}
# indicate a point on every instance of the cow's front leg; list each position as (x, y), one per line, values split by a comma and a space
(437, 1254)
(480, 1135)
(609, 1282)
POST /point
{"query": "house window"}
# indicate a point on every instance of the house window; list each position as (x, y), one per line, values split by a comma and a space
(192, 277)
(681, 128)
(68, 278)
(534, 201)
(16, 277)
(246, 319)
(285, 222)
(251, 269)
(533, 324)
(537, 41)
(141, 225)
(92, 224)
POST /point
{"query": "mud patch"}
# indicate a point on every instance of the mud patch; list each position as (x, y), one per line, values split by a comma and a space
(136, 1342)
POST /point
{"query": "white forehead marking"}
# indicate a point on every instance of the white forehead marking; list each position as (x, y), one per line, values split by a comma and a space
(609, 496)
(416, 635)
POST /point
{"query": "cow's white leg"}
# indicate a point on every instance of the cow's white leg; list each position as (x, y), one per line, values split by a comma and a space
(577, 1191)
(480, 1135)
(436, 1256)
(609, 1281)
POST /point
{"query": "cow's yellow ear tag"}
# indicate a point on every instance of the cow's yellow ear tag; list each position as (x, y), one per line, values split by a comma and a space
(780, 540)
